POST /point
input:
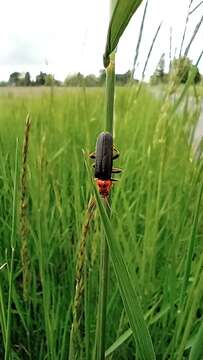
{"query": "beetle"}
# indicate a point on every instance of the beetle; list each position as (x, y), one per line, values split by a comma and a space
(104, 155)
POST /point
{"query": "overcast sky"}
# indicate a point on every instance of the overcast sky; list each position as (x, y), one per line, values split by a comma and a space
(68, 36)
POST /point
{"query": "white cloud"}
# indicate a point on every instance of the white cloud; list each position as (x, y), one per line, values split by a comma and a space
(72, 34)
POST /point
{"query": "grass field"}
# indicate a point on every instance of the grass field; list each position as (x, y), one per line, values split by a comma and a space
(157, 219)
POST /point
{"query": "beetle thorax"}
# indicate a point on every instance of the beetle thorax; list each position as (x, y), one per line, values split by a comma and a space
(104, 187)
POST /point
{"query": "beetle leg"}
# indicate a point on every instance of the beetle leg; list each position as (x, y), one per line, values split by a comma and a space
(115, 153)
(92, 155)
(116, 170)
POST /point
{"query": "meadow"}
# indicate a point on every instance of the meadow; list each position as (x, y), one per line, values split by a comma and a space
(156, 218)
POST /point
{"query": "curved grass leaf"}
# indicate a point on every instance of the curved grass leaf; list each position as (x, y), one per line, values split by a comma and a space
(128, 333)
(126, 287)
(121, 16)
(197, 348)
(124, 337)
(127, 290)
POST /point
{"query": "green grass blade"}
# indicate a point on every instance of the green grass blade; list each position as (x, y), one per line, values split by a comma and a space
(150, 50)
(11, 267)
(125, 336)
(2, 310)
(193, 36)
(121, 16)
(188, 263)
(139, 39)
(128, 333)
(127, 290)
(187, 85)
(197, 348)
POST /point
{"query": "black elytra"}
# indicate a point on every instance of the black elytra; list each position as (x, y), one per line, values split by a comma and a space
(104, 156)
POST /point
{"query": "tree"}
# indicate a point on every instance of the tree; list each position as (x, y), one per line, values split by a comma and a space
(14, 78)
(91, 80)
(182, 67)
(41, 78)
(123, 79)
(197, 78)
(102, 77)
(3, 83)
(159, 75)
(74, 80)
(161, 67)
(27, 80)
(49, 80)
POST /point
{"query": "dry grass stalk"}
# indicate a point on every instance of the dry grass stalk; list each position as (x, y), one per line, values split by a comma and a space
(77, 330)
(23, 216)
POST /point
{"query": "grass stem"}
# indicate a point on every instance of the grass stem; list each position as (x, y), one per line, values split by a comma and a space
(104, 251)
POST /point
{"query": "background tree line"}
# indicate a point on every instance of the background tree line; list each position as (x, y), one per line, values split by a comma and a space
(78, 79)
(181, 67)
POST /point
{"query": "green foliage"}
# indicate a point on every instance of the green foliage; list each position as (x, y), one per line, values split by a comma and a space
(49, 80)
(41, 79)
(159, 75)
(92, 80)
(14, 78)
(79, 79)
(123, 79)
(74, 80)
(3, 83)
(122, 13)
(153, 211)
(197, 347)
(44, 79)
(19, 79)
(182, 67)
(27, 80)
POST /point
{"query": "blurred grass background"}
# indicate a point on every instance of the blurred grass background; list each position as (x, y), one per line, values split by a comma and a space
(157, 219)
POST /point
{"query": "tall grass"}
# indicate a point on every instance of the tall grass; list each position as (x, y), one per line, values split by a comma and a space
(155, 223)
